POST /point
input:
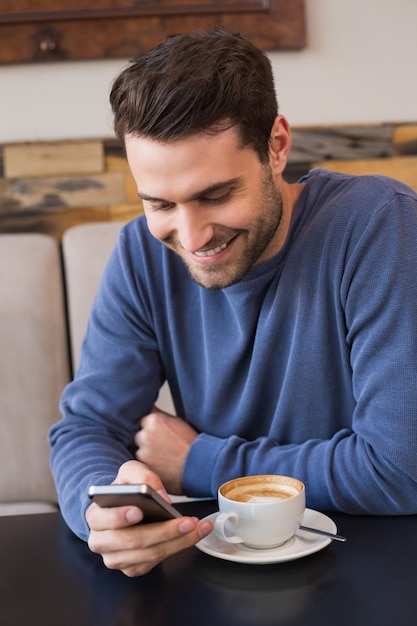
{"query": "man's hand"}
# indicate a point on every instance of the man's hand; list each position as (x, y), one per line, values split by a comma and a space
(133, 548)
(163, 443)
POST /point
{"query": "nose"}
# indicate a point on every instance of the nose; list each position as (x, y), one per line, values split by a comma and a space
(193, 229)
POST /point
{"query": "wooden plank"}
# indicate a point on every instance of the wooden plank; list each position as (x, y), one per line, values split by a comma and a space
(52, 222)
(56, 31)
(124, 212)
(2, 189)
(56, 221)
(341, 142)
(118, 163)
(401, 168)
(45, 193)
(18, 11)
(405, 139)
(53, 159)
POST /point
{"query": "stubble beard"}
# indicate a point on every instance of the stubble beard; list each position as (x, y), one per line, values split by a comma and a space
(259, 234)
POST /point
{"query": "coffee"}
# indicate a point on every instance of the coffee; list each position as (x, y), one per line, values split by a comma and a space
(266, 493)
(261, 511)
(265, 488)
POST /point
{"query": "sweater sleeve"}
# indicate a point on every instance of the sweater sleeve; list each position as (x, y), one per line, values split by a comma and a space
(371, 467)
(117, 382)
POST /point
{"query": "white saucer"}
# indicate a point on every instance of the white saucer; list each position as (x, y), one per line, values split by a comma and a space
(302, 544)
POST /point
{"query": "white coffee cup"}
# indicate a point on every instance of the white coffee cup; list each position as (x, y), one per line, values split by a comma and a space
(261, 511)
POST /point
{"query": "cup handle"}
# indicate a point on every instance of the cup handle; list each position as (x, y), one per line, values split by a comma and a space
(219, 527)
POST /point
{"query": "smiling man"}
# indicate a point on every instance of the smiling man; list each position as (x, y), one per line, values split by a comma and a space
(213, 202)
(283, 316)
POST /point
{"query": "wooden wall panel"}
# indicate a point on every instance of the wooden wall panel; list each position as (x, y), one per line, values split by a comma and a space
(53, 159)
(48, 30)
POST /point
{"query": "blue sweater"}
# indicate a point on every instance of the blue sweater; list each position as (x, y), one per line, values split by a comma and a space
(306, 367)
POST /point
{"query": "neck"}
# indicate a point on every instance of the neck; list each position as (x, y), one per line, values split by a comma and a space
(290, 194)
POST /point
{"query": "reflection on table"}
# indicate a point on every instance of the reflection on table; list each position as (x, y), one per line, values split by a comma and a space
(49, 577)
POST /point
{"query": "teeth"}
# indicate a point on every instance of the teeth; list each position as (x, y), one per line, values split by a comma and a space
(211, 252)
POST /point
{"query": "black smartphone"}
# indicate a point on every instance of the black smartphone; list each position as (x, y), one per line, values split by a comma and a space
(153, 506)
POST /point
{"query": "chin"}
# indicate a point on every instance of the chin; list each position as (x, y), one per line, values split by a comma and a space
(212, 279)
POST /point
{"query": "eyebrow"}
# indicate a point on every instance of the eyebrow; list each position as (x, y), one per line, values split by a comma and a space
(232, 183)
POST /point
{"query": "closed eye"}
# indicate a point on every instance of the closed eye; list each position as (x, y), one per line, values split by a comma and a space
(216, 199)
(214, 194)
(160, 206)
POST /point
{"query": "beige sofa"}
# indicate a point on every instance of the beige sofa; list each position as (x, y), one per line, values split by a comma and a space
(46, 292)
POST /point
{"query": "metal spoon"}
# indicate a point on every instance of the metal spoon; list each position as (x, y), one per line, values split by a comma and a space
(325, 533)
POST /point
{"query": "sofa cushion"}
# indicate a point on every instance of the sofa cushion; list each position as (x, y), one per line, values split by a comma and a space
(85, 249)
(34, 363)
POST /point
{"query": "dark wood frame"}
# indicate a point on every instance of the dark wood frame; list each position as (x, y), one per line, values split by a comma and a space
(97, 29)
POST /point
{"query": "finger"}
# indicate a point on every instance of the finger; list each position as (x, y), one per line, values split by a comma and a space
(114, 534)
(112, 518)
(139, 538)
(134, 472)
(145, 560)
(156, 554)
(142, 554)
(140, 438)
(143, 453)
(136, 438)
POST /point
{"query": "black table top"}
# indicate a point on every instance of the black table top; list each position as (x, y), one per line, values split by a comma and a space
(50, 578)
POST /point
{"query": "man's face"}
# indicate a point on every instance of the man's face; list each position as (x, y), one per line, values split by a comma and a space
(209, 200)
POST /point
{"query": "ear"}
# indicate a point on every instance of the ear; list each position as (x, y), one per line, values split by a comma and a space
(279, 145)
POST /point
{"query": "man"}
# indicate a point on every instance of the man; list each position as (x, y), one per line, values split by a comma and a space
(284, 317)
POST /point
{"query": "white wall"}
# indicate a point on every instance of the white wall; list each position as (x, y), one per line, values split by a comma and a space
(359, 67)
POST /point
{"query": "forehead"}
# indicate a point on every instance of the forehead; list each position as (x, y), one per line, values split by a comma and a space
(179, 168)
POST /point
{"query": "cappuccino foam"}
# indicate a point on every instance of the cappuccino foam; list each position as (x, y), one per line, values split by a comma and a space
(260, 493)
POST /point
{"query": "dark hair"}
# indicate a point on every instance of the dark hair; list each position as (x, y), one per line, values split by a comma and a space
(197, 82)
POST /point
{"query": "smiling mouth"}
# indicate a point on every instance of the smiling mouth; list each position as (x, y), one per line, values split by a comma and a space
(211, 252)
(214, 251)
